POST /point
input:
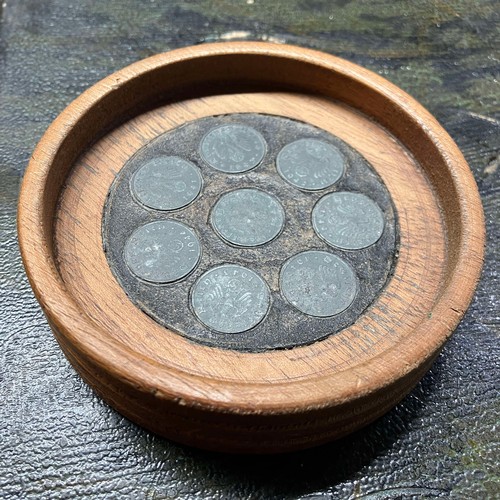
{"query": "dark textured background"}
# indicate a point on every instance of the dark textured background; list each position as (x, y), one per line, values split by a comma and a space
(58, 440)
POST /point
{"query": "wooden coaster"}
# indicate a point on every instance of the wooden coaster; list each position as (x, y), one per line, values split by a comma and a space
(161, 371)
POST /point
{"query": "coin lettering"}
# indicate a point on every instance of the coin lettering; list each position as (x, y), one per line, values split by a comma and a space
(233, 148)
(162, 251)
(318, 283)
(230, 298)
(248, 217)
(311, 164)
(346, 220)
(166, 183)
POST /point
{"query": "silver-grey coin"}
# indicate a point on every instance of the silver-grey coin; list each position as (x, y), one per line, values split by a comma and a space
(248, 217)
(230, 298)
(162, 251)
(318, 283)
(350, 221)
(233, 148)
(311, 164)
(166, 183)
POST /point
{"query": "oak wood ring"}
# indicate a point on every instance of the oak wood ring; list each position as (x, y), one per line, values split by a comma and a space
(234, 401)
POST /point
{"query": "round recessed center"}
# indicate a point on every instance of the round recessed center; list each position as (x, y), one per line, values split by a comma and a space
(162, 251)
(310, 164)
(248, 217)
(348, 220)
(256, 260)
(318, 283)
(233, 148)
(166, 183)
(230, 299)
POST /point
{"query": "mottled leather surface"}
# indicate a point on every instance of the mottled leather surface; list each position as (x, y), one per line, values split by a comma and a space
(59, 440)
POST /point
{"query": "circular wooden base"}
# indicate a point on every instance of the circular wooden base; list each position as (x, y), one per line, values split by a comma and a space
(227, 400)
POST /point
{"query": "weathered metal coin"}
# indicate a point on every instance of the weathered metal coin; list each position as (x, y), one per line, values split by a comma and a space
(230, 298)
(318, 283)
(248, 217)
(162, 251)
(350, 221)
(310, 164)
(233, 148)
(166, 183)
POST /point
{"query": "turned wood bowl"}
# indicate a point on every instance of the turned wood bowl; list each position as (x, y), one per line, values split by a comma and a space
(269, 400)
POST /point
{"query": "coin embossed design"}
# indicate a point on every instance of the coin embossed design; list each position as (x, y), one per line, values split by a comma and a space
(248, 217)
(162, 251)
(350, 221)
(310, 164)
(233, 148)
(166, 183)
(230, 298)
(318, 283)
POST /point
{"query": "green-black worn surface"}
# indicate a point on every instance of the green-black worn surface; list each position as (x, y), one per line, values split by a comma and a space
(283, 326)
(58, 440)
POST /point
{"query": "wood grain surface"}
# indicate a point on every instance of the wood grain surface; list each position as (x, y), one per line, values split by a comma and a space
(361, 371)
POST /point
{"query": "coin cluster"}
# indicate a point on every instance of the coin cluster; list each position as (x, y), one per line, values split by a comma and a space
(234, 297)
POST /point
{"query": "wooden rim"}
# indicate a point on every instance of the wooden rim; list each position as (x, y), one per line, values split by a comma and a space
(109, 102)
